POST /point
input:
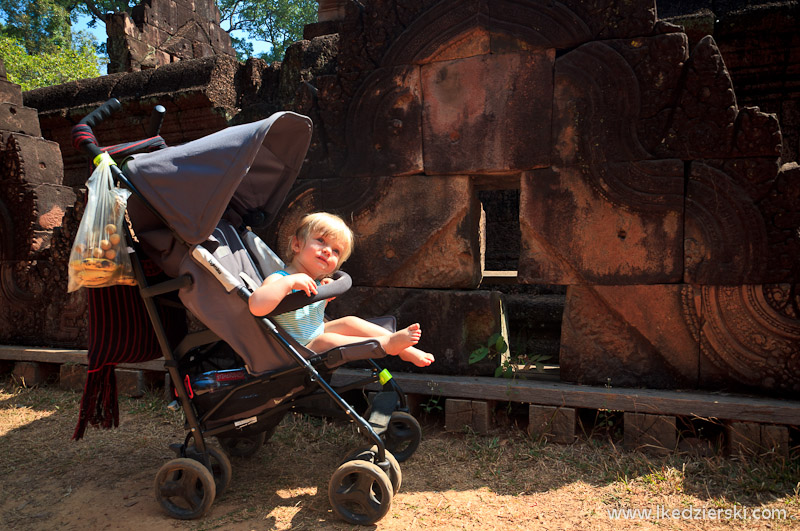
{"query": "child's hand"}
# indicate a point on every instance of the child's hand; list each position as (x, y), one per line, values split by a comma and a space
(326, 280)
(303, 282)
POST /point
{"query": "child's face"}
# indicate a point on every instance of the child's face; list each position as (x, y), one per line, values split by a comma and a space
(318, 256)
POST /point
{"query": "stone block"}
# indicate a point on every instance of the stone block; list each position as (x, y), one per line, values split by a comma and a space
(472, 414)
(609, 224)
(72, 376)
(10, 92)
(613, 99)
(130, 382)
(398, 226)
(384, 133)
(726, 235)
(454, 323)
(477, 110)
(649, 433)
(751, 438)
(31, 373)
(775, 438)
(19, 119)
(553, 424)
(748, 339)
(41, 158)
(705, 114)
(630, 336)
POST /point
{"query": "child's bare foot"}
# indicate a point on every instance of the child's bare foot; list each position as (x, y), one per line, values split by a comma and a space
(418, 357)
(397, 342)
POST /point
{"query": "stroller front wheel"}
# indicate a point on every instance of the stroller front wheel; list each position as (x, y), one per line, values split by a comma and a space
(184, 488)
(360, 492)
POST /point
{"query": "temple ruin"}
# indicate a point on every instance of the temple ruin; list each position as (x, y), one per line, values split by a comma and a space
(652, 163)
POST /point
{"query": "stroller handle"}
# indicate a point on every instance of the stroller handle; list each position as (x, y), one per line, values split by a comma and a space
(83, 138)
(341, 283)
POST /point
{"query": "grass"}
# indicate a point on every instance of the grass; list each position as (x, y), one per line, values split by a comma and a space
(463, 480)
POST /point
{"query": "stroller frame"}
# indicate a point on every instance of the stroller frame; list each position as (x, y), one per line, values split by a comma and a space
(181, 477)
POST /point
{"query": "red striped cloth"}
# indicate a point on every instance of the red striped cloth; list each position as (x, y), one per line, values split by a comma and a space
(120, 331)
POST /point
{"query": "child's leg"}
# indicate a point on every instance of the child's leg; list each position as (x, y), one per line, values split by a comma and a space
(355, 326)
(392, 344)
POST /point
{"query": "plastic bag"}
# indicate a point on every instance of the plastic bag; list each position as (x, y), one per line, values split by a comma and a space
(99, 256)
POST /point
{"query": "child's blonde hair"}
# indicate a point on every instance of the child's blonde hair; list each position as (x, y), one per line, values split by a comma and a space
(328, 225)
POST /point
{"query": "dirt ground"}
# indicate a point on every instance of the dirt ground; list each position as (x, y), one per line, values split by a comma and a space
(504, 480)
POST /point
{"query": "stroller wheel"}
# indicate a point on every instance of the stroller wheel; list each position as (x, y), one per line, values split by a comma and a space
(185, 488)
(220, 466)
(360, 492)
(244, 446)
(371, 456)
(403, 435)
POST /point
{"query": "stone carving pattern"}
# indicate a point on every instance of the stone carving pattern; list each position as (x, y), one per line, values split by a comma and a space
(747, 333)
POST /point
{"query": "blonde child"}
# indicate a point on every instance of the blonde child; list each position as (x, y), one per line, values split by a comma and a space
(319, 246)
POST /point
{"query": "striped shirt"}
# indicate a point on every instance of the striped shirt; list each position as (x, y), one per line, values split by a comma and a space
(303, 324)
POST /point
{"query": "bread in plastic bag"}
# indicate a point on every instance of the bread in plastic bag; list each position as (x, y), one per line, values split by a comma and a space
(99, 256)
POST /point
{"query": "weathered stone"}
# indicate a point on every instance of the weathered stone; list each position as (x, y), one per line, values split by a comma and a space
(10, 92)
(750, 438)
(454, 323)
(750, 339)
(161, 32)
(761, 47)
(72, 376)
(553, 424)
(596, 107)
(31, 374)
(467, 414)
(649, 433)
(397, 228)
(40, 160)
(705, 114)
(391, 142)
(610, 337)
(477, 109)
(18, 119)
(726, 235)
(603, 224)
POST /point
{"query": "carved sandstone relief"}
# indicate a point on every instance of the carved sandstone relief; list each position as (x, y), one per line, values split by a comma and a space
(412, 231)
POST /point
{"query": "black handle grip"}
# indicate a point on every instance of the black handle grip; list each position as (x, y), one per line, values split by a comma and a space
(156, 120)
(341, 283)
(102, 112)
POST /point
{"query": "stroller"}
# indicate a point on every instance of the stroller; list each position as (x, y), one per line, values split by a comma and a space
(190, 209)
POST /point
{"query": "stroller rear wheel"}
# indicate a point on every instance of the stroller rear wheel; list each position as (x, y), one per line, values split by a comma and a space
(371, 456)
(360, 492)
(184, 488)
(221, 467)
(402, 435)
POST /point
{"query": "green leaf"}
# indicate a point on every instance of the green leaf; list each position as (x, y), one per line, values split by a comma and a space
(478, 354)
(493, 339)
(498, 372)
(500, 345)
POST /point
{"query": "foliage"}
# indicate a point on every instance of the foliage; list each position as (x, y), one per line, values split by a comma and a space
(277, 23)
(64, 64)
(510, 366)
(41, 26)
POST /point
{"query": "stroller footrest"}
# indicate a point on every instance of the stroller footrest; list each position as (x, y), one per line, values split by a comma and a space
(366, 350)
(383, 405)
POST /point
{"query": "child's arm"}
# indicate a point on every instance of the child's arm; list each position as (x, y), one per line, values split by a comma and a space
(272, 291)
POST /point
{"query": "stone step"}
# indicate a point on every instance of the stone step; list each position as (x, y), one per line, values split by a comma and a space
(18, 119)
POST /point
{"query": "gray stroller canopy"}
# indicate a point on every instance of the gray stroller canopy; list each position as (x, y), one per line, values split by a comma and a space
(249, 168)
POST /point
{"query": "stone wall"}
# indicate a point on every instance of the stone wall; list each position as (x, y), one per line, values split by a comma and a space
(160, 32)
(666, 206)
